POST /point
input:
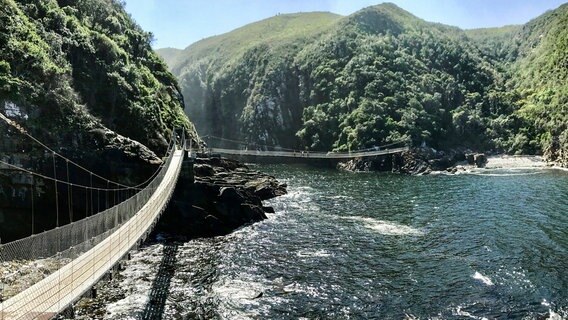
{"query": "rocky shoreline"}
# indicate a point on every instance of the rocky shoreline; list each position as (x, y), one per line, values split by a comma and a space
(221, 196)
(417, 161)
(423, 161)
(217, 197)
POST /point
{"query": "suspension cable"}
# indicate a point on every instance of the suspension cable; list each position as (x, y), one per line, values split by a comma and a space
(24, 132)
(288, 149)
(247, 143)
(55, 179)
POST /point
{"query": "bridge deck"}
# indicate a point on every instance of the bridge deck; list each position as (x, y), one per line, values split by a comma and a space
(311, 155)
(53, 294)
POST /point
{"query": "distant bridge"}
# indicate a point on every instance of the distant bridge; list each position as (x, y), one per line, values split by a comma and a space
(309, 154)
(85, 250)
(275, 152)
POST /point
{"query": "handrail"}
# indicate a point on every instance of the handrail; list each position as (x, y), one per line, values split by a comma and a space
(94, 244)
(309, 154)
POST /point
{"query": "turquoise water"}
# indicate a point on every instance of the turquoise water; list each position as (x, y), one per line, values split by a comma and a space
(384, 246)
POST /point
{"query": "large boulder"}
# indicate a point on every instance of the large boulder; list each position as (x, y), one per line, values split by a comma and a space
(225, 195)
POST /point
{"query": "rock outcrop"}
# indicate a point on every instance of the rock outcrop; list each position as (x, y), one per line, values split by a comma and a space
(417, 161)
(224, 196)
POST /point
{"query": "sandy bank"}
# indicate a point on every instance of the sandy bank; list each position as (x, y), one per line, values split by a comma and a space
(520, 162)
(515, 162)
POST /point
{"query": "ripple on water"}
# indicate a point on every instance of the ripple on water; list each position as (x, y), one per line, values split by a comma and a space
(385, 227)
(380, 247)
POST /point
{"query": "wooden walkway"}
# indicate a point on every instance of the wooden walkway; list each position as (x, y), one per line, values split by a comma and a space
(311, 155)
(54, 294)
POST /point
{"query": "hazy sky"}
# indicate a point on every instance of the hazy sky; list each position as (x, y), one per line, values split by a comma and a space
(178, 23)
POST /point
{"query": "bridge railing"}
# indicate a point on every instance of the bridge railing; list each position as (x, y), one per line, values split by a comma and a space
(69, 241)
(309, 154)
(53, 294)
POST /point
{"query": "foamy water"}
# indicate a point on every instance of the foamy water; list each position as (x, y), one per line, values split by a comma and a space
(385, 227)
(485, 279)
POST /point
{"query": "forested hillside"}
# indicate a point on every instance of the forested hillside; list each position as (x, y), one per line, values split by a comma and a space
(541, 77)
(72, 70)
(378, 76)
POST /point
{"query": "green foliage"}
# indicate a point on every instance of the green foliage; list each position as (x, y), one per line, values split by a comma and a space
(67, 61)
(536, 70)
(379, 76)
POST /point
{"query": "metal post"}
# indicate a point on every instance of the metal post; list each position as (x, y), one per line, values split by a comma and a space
(91, 191)
(56, 194)
(33, 213)
(106, 196)
(1, 284)
(86, 202)
(69, 195)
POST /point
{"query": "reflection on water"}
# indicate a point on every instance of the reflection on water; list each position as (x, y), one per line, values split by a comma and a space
(488, 245)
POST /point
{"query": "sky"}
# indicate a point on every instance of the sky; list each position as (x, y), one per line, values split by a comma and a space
(179, 23)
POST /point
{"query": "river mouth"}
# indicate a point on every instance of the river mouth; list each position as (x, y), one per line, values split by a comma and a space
(372, 246)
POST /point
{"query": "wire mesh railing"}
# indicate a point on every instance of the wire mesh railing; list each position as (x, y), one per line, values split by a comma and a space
(309, 154)
(72, 241)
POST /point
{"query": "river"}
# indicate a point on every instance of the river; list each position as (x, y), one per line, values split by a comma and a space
(372, 246)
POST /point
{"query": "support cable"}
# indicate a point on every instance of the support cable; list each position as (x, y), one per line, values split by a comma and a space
(54, 179)
(24, 132)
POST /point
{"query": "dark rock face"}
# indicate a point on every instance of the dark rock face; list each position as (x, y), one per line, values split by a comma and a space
(224, 196)
(417, 161)
(476, 159)
(557, 153)
(384, 163)
(107, 153)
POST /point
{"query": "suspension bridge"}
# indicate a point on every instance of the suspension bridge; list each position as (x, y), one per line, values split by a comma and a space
(83, 251)
(266, 151)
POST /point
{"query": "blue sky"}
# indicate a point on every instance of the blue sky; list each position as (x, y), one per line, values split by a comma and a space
(178, 23)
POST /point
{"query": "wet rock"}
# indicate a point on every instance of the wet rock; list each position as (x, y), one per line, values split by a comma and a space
(265, 187)
(203, 170)
(557, 153)
(379, 163)
(225, 195)
(268, 209)
(480, 160)
(441, 163)
(470, 158)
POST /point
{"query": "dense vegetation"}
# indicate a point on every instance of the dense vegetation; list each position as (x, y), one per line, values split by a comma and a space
(74, 68)
(378, 76)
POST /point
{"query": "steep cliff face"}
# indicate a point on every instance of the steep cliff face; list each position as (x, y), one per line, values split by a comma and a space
(68, 68)
(377, 76)
(541, 76)
(81, 77)
(245, 84)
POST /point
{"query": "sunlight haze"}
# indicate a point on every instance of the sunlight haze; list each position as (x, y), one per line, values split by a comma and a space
(178, 23)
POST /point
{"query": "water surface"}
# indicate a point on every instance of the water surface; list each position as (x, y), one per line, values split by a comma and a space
(376, 246)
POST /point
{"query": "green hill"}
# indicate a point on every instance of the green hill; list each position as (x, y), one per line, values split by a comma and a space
(278, 32)
(377, 76)
(70, 71)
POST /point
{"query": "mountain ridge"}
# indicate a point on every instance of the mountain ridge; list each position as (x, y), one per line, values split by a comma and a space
(314, 93)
